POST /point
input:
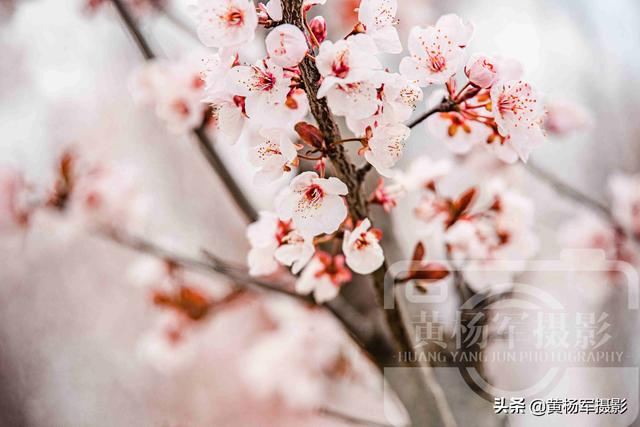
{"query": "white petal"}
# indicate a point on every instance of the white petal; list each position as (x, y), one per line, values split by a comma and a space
(325, 291)
(333, 185)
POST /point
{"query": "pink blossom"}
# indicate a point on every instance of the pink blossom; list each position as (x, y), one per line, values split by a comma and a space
(272, 153)
(274, 9)
(501, 235)
(625, 190)
(346, 61)
(226, 23)
(324, 275)
(396, 100)
(385, 147)
(264, 86)
(362, 249)
(315, 204)
(357, 100)
(379, 19)
(167, 347)
(423, 172)
(274, 242)
(564, 117)
(385, 196)
(482, 71)
(263, 241)
(518, 114)
(437, 51)
(318, 27)
(175, 89)
(286, 45)
(295, 327)
(107, 195)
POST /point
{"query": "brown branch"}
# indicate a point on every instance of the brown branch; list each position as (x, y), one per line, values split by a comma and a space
(204, 143)
(427, 411)
(445, 106)
(345, 170)
(176, 20)
(359, 331)
(567, 190)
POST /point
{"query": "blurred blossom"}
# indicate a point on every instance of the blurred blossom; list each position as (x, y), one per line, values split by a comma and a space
(324, 276)
(588, 231)
(108, 195)
(422, 172)
(565, 117)
(174, 89)
(317, 354)
(166, 347)
(625, 190)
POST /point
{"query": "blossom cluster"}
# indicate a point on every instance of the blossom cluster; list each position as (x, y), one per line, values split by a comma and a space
(265, 104)
(480, 229)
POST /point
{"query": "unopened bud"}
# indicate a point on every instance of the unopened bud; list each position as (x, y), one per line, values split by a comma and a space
(318, 27)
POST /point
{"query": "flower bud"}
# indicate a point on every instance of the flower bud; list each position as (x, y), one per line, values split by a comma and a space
(286, 45)
(318, 27)
(481, 71)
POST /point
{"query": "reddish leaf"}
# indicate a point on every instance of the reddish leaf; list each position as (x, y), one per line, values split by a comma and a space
(431, 272)
(418, 252)
(465, 200)
(309, 134)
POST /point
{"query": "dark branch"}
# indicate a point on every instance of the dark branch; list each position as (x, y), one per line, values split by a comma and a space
(445, 106)
(568, 190)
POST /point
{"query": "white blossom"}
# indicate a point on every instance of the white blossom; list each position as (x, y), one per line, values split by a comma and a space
(314, 204)
(436, 52)
(379, 19)
(362, 249)
(226, 23)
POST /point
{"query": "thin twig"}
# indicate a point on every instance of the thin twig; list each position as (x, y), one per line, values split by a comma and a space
(568, 190)
(130, 23)
(176, 20)
(445, 106)
(204, 143)
(352, 322)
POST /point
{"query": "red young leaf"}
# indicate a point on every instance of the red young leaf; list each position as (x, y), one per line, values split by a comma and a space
(465, 200)
(431, 272)
(309, 134)
(419, 252)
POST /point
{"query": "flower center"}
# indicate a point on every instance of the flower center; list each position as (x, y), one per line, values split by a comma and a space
(436, 62)
(362, 241)
(264, 80)
(508, 103)
(340, 66)
(181, 107)
(313, 194)
(235, 17)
